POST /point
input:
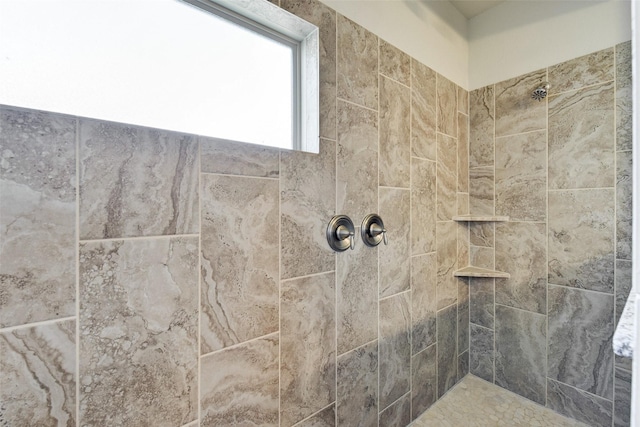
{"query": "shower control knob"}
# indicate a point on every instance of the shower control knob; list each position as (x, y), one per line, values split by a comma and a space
(373, 231)
(341, 233)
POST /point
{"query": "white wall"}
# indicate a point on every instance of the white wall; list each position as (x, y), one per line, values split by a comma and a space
(518, 37)
(432, 32)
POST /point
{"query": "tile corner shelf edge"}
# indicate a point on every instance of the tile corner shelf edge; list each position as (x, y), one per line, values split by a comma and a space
(471, 271)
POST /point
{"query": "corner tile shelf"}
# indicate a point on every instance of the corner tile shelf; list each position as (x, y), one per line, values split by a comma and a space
(472, 271)
(480, 218)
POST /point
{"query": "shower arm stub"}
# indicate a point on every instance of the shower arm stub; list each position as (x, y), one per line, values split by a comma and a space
(341, 233)
(373, 231)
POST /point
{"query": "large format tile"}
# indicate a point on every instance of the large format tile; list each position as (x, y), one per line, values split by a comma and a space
(423, 206)
(624, 97)
(393, 258)
(398, 414)
(521, 352)
(481, 352)
(357, 62)
(578, 405)
(521, 176)
(482, 123)
(447, 177)
(139, 332)
(395, 133)
(622, 403)
(423, 111)
(447, 106)
(581, 239)
(423, 380)
(581, 138)
(357, 160)
(481, 301)
(423, 304)
(395, 348)
(136, 181)
(239, 385)
(463, 153)
(579, 342)
(357, 395)
(324, 418)
(521, 250)
(38, 375)
(584, 71)
(394, 63)
(239, 256)
(624, 207)
(447, 321)
(307, 203)
(463, 315)
(481, 190)
(446, 257)
(237, 158)
(516, 112)
(307, 347)
(463, 101)
(37, 216)
(624, 277)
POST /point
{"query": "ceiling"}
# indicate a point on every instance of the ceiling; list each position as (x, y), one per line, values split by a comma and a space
(471, 8)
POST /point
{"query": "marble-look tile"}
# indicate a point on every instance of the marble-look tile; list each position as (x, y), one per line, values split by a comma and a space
(481, 301)
(624, 97)
(423, 380)
(462, 230)
(624, 275)
(38, 373)
(37, 216)
(139, 332)
(463, 203)
(136, 181)
(394, 63)
(447, 106)
(521, 176)
(307, 347)
(581, 239)
(239, 385)
(463, 153)
(521, 250)
(463, 365)
(463, 314)
(357, 396)
(357, 64)
(482, 122)
(446, 256)
(307, 203)
(398, 414)
(324, 18)
(239, 260)
(395, 134)
(423, 111)
(580, 339)
(578, 405)
(447, 320)
(624, 207)
(395, 348)
(357, 161)
(584, 71)
(481, 190)
(463, 101)
(423, 206)
(482, 234)
(423, 303)
(357, 297)
(237, 158)
(622, 402)
(516, 112)
(447, 177)
(394, 258)
(481, 352)
(623, 362)
(324, 418)
(581, 138)
(521, 352)
(481, 257)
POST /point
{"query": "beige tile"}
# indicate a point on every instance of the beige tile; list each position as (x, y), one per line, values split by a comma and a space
(463, 203)
(463, 101)
(482, 234)
(37, 216)
(464, 246)
(239, 385)
(423, 111)
(447, 286)
(423, 206)
(139, 332)
(394, 258)
(463, 153)
(38, 373)
(395, 348)
(624, 97)
(239, 260)
(581, 138)
(357, 397)
(394, 63)
(481, 190)
(447, 177)
(516, 112)
(308, 347)
(584, 71)
(624, 208)
(482, 302)
(482, 122)
(237, 158)
(395, 134)
(447, 106)
(482, 257)
(423, 305)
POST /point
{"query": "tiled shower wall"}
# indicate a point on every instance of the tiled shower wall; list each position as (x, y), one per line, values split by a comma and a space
(561, 170)
(161, 279)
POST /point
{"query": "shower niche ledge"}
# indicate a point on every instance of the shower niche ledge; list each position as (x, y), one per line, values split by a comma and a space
(471, 271)
(480, 218)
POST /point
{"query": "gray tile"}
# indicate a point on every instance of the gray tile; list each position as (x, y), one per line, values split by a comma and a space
(423, 206)
(423, 111)
(521, 176)
(624, 207)
(357, 396)
(38, 370)
(521, 352)
(447, 106)
(516, 112)
(37, 216)
(581, 239)
(423, 381)
(394, 63)
(579, 340)
(324, 418)
(237, 158)
(481, 190)
(139, 332)
(521, 250)
(482, 257)
(463, 153)
(395, 348)
(481, 301)
(463, 365)
(624, 276)
(307, 347)
(447, 177)
(136, 181)
(622, 403)
(446, 257)
(239, 260)
(579, 405)
(398, 414)
(307, 203)
(581, 138)
(394, 208)
(423, 303)
(482, 121)
(447, 355)
(245, 391)
(481, 352)
(584, 71)
(463, 314)
(395, 134)
(624, 97)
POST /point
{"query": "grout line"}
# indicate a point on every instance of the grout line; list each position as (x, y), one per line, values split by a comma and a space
(358, 347)
(394, 188)
(37, 324)
(77, 271)
(556, 190)
(231, 175)
(579, 390)
(581, 289)
(239, 344)
(307, 276)
(615, 221)
(510, 135)
(125, 239)
(314, 414)
(199, 285)
(546, 358)
(396, 401)
(393, 80)
(356, 104)
(520, 309)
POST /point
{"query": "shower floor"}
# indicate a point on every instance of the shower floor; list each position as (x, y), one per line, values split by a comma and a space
(475, 402)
